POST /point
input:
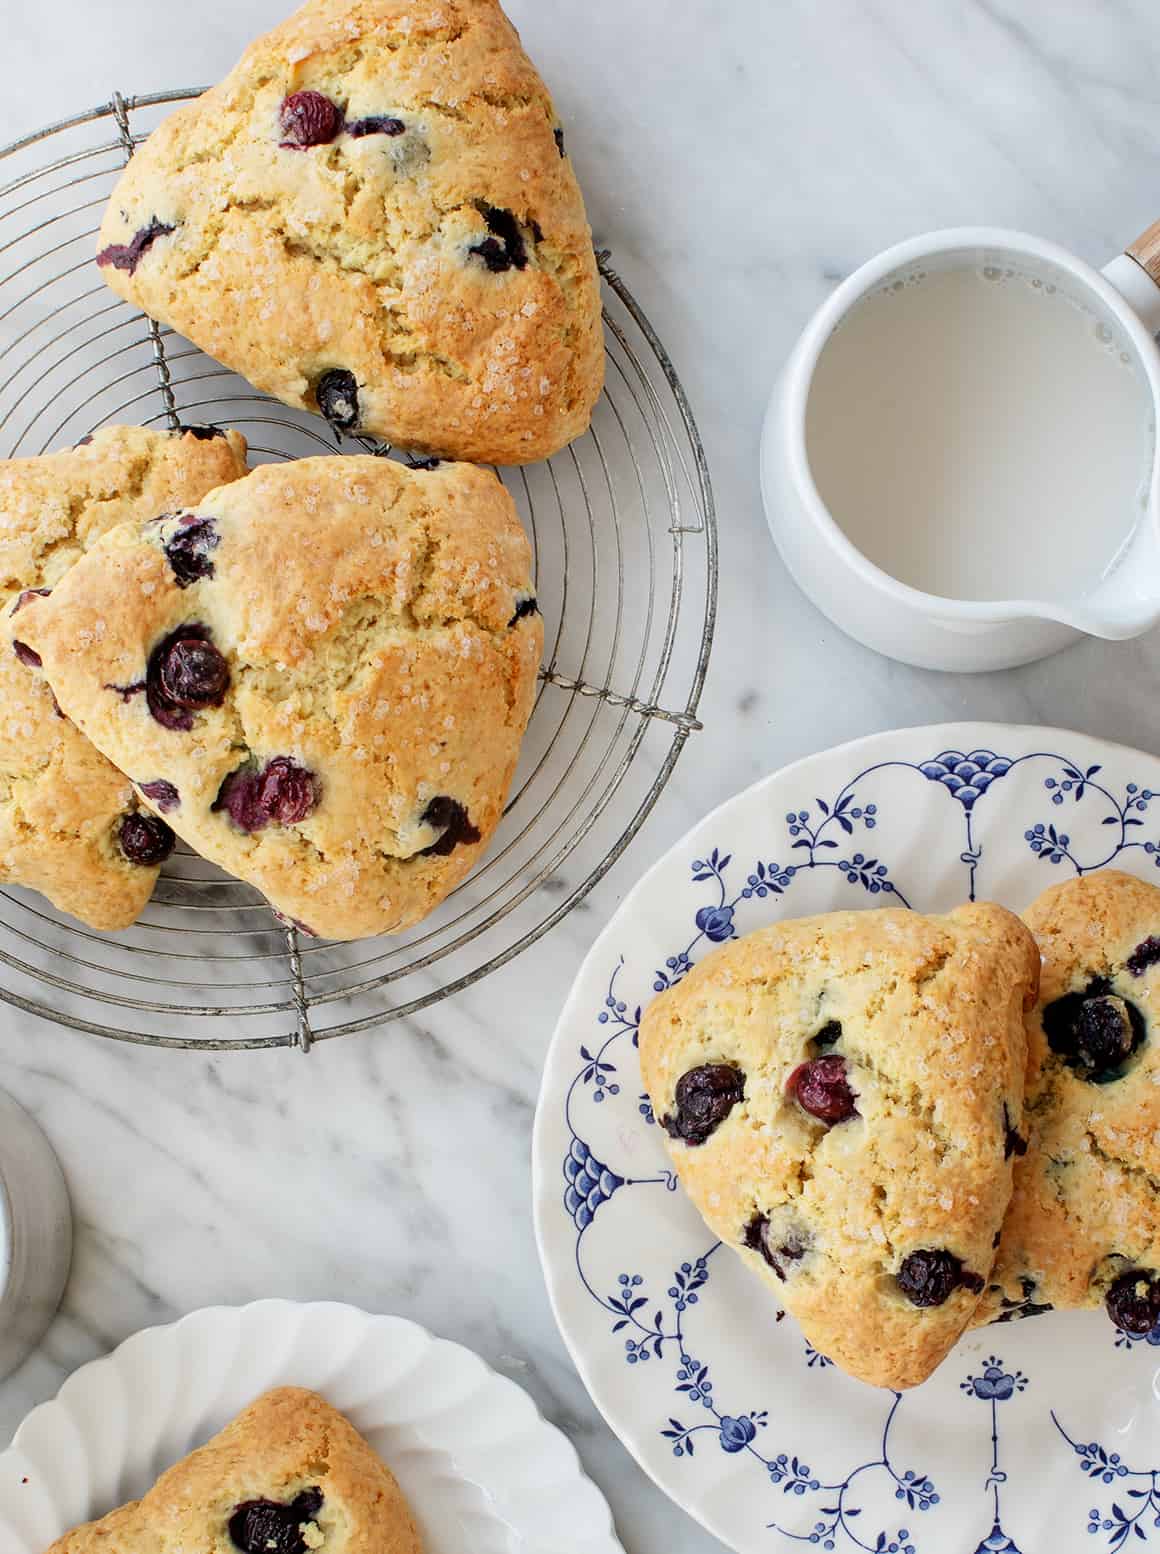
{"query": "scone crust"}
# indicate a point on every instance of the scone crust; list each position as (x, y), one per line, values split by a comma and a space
(931, 1013)
(288, 1440)
(370, 617)
(286, 263)
(1085, 1205)
(61, 801)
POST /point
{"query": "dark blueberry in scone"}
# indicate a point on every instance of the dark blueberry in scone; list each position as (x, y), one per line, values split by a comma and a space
(273, 1527)
(1094, 1032)
(185, 673)
(85, 441)
(448, 816)
(27, 656)
(376, 124)
(337, 396)
(163, 794)
(308, 119)
(524, 608)
(505, 248)
(791, 1248)
(26, 595)
(558, 137)
(1016, 1310)
(144, 839)
(188, 551)
(1013, 1141)
(830, 1033)
(1133, 1301)
(821, 1088)
(127, 256)
(1146, 954)
(280, 793)
(704, 1098)
(928, 1277)
(202, 433)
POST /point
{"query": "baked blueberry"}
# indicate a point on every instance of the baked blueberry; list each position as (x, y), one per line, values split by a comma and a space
(26, 655)
(337, 396)
(162, 793)
(202, 433)
(821, 1088)
(27, 594)
(127, 256)
(448, 816)
(558, 137)
(1013, 1141)
(792, 1247)
(505, 248)
(704, 1098)
(376, 124)
(1146, 954)
(188, 550)
(830, 1033)
(185, 674)
(144, 839)
(280, 793)
(1133, 1302)
(308, 119)
(1094, 1032)
(274, 1527)
(930, 1277)
(1016, 1310)
(525, 607)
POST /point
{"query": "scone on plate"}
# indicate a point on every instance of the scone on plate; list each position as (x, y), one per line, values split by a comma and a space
(375, 216)
(289, 1475)
(1083, 1228)
(71, 826)
(840, 1095)
(319, 677)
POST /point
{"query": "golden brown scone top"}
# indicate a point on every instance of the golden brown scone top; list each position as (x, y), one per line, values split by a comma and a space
(291, 1449)
(376, 646)
(356, 255)
(1085, 1211)
(62, 804)
(924, 1017)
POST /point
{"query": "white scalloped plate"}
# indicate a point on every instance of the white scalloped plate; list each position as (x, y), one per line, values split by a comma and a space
(482, 1469)
(1037, 1436)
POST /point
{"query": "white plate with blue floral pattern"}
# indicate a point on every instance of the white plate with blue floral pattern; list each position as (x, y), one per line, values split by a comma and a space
(1034, 1437)
(479, 1465)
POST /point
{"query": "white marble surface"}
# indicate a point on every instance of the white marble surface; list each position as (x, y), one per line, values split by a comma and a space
(738, 158)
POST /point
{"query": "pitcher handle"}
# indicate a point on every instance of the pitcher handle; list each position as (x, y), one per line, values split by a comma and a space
(1136, 276)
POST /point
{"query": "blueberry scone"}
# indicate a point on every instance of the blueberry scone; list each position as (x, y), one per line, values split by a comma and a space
(1083, 1228)
(289, 1475)
(375, 216)
(70, 824)
(319, 677)
(840, 1095)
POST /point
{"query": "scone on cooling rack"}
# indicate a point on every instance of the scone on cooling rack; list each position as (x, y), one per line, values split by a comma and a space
(1083, 1228)
(839, 1096)
(320, 676)
(289, 1475)
(375, 216)
(70, 824)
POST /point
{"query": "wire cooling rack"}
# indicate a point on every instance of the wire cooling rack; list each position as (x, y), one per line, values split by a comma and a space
(623, 531)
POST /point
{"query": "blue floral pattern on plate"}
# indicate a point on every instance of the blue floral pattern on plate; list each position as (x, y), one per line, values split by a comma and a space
(914, 819)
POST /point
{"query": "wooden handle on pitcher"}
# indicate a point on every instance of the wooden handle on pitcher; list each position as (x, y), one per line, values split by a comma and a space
(1146, 251)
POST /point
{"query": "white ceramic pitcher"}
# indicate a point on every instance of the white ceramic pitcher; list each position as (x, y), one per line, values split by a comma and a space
(901, 621)
(35, 1234)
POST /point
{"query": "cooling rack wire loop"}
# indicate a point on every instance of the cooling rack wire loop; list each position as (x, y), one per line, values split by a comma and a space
(624, 540)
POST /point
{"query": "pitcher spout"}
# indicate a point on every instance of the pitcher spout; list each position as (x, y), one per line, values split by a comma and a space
(1127, 601)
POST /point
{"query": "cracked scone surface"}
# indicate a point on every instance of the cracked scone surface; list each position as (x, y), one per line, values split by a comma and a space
(1086, 1208)
(320, 678)
(289, 1474)
(432, 251)
(898, 1176)
(62, 804)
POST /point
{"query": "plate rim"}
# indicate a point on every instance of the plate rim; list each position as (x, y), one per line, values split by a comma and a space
(605, 1538)
(545, 1190)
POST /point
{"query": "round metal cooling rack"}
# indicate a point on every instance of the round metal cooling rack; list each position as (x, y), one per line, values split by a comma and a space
(623, 530)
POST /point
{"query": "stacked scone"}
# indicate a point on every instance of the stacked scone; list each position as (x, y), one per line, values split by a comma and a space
(318, 675)
(904, 1132)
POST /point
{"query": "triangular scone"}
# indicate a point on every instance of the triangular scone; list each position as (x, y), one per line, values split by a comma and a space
(1083, 1228)
(839, 1095)
(289, 1475)
(375, 216)
(70, 824)
(320, 676)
